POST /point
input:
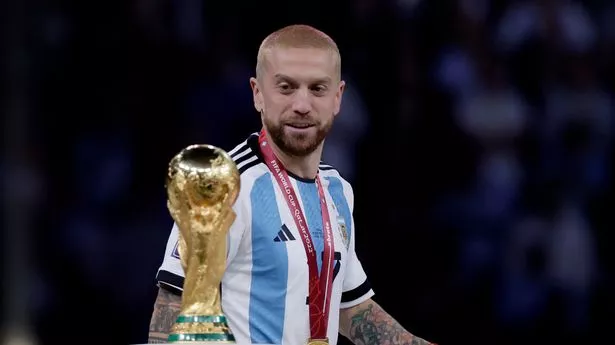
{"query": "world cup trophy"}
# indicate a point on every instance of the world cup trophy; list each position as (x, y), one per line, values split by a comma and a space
(202, 185)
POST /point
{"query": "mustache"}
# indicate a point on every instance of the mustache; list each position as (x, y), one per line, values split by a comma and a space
(300, 122)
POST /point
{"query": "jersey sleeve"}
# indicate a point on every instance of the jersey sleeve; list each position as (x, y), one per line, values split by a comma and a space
(170, 275)
(356, 287)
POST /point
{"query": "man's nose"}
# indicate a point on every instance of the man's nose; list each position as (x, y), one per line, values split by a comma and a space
(301, 102)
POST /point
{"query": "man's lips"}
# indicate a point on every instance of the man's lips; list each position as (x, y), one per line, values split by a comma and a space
(300, 125)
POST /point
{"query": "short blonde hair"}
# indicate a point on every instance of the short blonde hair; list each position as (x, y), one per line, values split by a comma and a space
(298, 36)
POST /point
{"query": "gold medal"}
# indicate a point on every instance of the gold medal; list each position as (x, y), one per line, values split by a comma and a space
(318, 341)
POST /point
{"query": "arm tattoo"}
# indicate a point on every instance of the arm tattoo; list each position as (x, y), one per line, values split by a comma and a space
(373, 326)
(166, 310)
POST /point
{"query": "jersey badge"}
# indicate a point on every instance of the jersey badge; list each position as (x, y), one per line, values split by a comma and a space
(341, 227)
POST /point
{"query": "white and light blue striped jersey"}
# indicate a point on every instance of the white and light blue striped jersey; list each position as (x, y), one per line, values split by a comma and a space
(265, 285)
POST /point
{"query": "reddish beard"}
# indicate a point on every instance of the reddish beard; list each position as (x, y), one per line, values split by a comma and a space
(297, 144)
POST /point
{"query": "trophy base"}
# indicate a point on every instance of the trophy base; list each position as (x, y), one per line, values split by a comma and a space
(197, 329)
(201, 338)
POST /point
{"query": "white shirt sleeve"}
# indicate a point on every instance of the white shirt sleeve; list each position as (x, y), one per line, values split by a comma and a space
(356, 287)
(171, 273)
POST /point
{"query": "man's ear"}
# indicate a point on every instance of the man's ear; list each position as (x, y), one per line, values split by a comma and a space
(257, 94)
(338, 97)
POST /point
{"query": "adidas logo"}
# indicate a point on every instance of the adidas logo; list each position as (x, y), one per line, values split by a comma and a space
(284, 235)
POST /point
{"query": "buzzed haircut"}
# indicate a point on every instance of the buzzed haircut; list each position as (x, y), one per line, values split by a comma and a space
(297, 36)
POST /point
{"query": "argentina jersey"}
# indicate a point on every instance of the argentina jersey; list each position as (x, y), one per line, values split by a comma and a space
(265, 285)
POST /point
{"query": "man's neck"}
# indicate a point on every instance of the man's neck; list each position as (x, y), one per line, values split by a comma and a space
(304, 167)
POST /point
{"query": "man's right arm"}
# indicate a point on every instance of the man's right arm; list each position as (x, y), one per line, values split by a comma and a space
(166, 310)
(170, 279)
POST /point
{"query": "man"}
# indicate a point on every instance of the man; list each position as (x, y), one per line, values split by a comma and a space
(269, 293)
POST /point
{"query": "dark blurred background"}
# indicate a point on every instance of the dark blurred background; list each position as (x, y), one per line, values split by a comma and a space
(477, 135)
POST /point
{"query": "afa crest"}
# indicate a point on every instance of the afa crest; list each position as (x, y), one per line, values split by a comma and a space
(343, 230)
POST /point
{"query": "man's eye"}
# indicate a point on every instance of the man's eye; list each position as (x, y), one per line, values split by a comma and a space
(285, 87)
(319, 88)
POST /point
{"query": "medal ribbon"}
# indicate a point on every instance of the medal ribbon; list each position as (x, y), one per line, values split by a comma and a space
(319, 286)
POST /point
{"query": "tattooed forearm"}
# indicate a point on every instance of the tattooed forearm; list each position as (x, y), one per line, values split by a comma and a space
(371, 325)
(165, 313)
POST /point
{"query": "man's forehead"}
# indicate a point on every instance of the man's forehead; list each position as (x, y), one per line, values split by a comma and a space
(309, 56)
(309, 77)
(301, 63)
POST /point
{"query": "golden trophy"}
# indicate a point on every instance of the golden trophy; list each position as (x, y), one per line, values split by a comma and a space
(202, 185)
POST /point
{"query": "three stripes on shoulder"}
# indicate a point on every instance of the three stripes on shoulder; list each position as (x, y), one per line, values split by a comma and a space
(245, 158)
